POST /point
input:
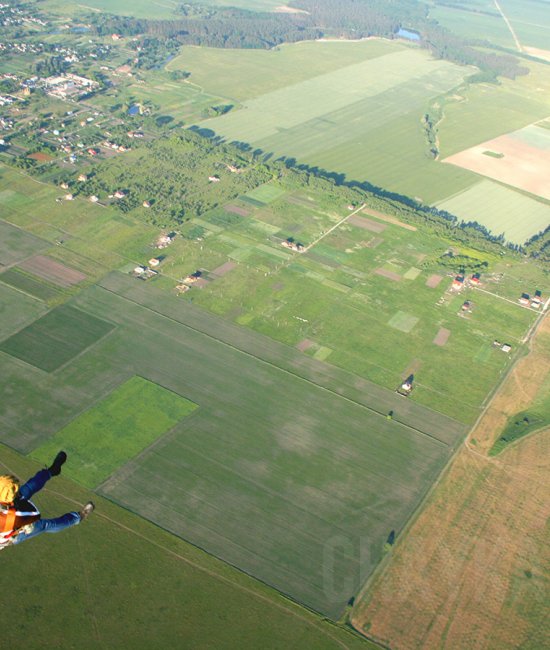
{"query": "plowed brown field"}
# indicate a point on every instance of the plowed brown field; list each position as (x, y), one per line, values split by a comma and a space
(472, 572)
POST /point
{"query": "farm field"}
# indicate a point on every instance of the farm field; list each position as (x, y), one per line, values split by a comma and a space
(519, 159)
(262, 482)
(356, 121)
(497, 208)
(472, 571)
(110, 433)
(193, 586)
(137, 8)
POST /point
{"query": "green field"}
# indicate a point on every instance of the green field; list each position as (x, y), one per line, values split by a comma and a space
(286, 460)
(137, 8)
(109, 434)
(360, 120)
(501, 210)
(30, 285)
(118, 558)
(15, 244)
(56, 338)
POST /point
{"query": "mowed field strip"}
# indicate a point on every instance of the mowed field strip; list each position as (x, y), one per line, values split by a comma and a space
(282, 471)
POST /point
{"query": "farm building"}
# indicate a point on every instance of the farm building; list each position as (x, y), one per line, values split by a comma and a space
(525, 299)
(475, 279)
(458, 283)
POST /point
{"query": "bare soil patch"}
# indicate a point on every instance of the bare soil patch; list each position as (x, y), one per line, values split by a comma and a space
(386, 217)
(367, 224)
(39, 156)
(222, 270)
(374, 242)
(236, 209)
(433, 280)
(470, 573)
(535, 51)
(304, 345)
(52, 270)
(201, 283)
(442, 336)
(521, 165)
(388, 274)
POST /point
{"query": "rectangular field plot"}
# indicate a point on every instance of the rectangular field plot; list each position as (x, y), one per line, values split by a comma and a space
(501, 210)
(112, 432)
(56, 338)
(16, 244)
(265, 194)
(520, 159)
(30, 285)
(53, 271)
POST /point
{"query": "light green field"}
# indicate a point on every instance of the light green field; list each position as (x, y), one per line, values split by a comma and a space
(469, 23)
(136, 8)
(361, 121)
(31, 285)
(150, 575)
(501, 210)
(244, 74)
(112, 432)
(530, 20)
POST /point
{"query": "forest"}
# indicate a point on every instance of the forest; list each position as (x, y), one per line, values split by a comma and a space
(230, 27)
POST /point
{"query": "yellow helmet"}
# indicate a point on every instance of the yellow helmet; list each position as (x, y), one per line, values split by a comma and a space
(9, 486)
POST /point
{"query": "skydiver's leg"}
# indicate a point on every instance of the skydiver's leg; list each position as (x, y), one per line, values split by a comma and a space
(39, 480)
(47, 526)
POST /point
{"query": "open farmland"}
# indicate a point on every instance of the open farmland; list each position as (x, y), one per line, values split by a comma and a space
(158, 578)
(361, 120)
(472, 571)
(501, 210)
(520, 159)
(284, 470)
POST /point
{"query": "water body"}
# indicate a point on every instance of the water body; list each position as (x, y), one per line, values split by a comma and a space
(411, 36)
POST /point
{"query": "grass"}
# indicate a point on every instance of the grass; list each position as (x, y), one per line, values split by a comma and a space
(158, 577)
(136, 8)
(497, 208)
(16, 309)
(56, 338)
(112, 432)
(518, 426)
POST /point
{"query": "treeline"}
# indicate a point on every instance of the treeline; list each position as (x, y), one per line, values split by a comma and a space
(538, 246)
(229, 27)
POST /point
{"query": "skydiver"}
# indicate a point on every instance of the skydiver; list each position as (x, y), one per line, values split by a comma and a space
(20, 519)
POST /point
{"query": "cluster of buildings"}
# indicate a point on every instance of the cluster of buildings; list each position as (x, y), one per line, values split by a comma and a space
(460, 281)
(69, 86)
(535, 302)
(294, 246)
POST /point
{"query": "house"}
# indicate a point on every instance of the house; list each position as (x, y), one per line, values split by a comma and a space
(82, 178)
(154, 261)
(92, 152)
(506, 347)
(524, 299)
(458, 283)
(69, 197)
(119, 194)
(94, 198)
(146, 204)
(466, 305)
(214, 179)
(475, 279)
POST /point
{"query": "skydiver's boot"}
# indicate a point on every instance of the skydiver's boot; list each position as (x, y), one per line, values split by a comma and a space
(86, 511)
(55, 467)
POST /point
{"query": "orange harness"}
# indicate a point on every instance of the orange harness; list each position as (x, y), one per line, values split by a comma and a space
(11, 520)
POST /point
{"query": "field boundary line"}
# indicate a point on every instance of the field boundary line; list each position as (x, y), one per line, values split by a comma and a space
(316, 241)
(277, 367)
(509, 25)
(199, 567)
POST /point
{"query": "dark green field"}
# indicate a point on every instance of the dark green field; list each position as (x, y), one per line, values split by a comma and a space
(56, 338)
(30, 285)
